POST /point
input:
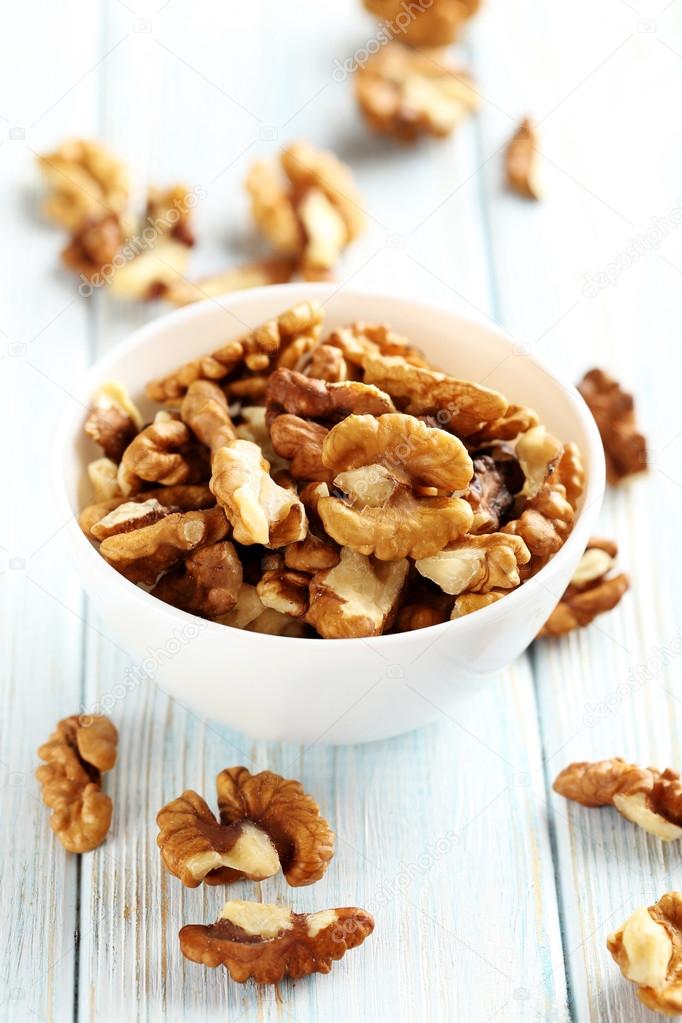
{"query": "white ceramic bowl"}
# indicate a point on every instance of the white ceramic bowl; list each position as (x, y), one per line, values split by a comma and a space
(327, 691)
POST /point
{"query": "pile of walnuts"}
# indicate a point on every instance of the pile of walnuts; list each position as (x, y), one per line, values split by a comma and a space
(302, 484)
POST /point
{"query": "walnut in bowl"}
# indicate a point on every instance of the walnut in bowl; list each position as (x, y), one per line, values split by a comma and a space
(312, 476)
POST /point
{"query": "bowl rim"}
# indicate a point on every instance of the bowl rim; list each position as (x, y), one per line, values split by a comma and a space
(291, 293)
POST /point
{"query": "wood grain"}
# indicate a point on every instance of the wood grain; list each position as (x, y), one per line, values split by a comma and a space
(450, 836)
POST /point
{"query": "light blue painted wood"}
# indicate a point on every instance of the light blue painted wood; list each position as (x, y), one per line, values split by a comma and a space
(443, 834)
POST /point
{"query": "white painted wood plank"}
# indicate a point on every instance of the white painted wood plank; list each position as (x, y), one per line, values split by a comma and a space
(612, 163)
(43, 347)
(482, 918)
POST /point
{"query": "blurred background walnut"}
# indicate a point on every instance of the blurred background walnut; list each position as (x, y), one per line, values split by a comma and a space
(521, 161)
(614, 412)
(427, 23)
(591, 592)
(86, 180)
(409, 93)
(270, 942)
(308, 208)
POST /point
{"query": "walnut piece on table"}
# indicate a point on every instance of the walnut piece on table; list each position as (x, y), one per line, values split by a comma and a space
(266, 823)
(76, 755)
(307, 207)
(425, 22)
(591, 592)
(86, 180)
(378, 463)
(521, 161)
(614, 412)
(237, 278)
(410, 93)
(648, 950)
(270, 942)
(650, 798)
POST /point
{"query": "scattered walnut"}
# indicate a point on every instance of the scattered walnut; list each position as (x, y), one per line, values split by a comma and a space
(425, 22)
(477, 564)
(648, 950)
(538, 453)
(266, 822)
(85, 180)
(591, 592)
(311, 210)
(260, 511)
(169, 212)
(383, 515)
(143, 554)
(238, 278)
(649, 798)
(408, 93)
(286, 591)
(76, 755)
(358, 597)
(301, 441)
(521, 161)
(113, 420)
(161, 453)
(207, 584)
(204, 410)
(183, 498)
(317, 399)
(269, 942)
(614, 412)
(253, 350)
(464, 406)
(152, 272)
(95, 244)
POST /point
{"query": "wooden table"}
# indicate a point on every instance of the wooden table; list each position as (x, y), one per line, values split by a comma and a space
(493, 897)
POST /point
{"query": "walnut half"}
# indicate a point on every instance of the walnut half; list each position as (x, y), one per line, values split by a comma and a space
(76, 754)
(648, 950)
(649, 798)
(269, 942)
(591, 592)
(266, 822)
